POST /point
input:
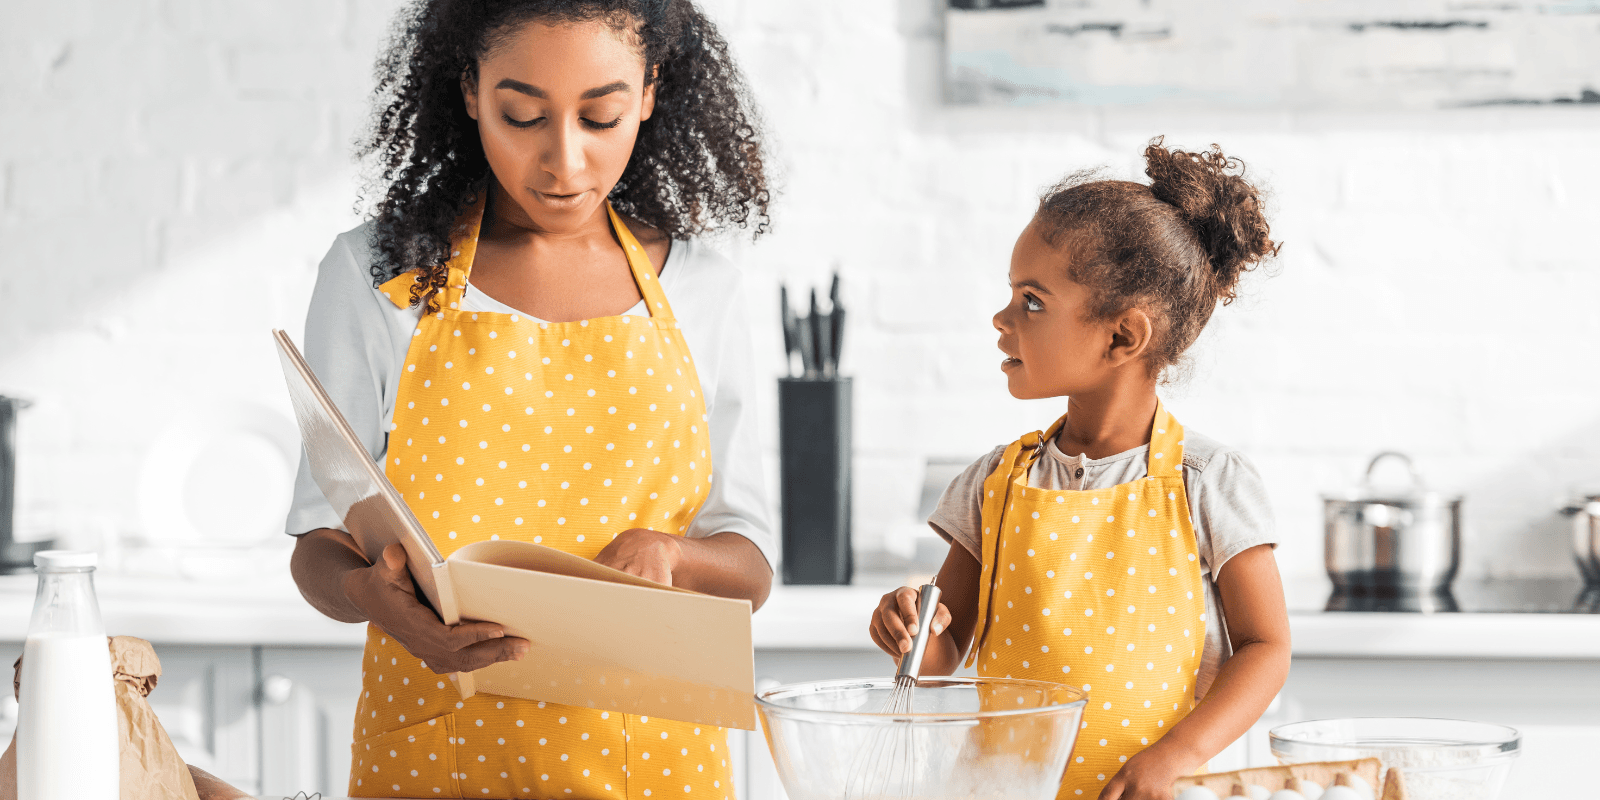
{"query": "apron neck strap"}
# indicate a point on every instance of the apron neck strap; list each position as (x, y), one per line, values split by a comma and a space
(644, 273)
(1166, 444)
(464, 247)
(1033, 445)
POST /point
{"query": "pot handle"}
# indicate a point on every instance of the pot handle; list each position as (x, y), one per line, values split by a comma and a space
(1411, 469)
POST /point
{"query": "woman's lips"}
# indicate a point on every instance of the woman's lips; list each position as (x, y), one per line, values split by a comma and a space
(560, 202)
(1009, 362)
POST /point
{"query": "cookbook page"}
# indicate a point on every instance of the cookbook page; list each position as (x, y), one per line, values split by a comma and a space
(607, 640)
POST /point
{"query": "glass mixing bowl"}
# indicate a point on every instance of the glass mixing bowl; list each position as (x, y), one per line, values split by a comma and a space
(952, 738)
(1439, 759)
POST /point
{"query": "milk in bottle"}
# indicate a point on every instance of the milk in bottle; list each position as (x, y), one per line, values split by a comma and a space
(67, 745)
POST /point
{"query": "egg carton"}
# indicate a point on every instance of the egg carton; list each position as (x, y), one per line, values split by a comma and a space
(1366, 777)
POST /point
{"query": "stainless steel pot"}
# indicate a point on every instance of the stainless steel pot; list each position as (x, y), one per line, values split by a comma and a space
(1586, 537)
(15, 556)
(1392, 539)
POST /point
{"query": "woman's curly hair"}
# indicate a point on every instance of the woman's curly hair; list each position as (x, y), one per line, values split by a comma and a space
(697, 165)
(1175, 248)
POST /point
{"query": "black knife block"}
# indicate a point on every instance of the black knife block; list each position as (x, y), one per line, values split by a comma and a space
(814, 446)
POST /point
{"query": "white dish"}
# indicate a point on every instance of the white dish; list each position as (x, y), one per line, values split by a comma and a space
(222, 475)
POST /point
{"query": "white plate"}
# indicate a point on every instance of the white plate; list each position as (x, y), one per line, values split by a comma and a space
(223, 474)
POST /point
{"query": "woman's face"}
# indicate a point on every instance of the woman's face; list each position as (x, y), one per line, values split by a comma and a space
(558, 109)
(1051, 348)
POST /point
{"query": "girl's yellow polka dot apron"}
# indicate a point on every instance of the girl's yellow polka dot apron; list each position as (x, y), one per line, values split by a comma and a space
(565, 434)
(1099, 589)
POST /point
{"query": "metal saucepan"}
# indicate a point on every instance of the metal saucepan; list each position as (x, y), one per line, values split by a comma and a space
(1392, 539)
(1586, 537)
(15, 556)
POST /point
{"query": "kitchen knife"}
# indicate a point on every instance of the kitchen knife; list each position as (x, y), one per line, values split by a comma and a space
(836, 320)
(821, 336)
(790, 334)
(803, 338)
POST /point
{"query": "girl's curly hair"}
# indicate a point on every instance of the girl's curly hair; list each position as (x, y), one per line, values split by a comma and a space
(1175, 248)
(697, 165)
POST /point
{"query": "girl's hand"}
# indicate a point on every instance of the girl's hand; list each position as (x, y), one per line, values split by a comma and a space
(385, 595)
(895, 621)
(1148, 775)
(649, 554)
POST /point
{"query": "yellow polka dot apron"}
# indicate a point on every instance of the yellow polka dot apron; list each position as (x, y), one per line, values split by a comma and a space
(1099, 589)
(565, 434)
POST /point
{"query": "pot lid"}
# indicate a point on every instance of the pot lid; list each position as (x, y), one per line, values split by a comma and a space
(1412, 492)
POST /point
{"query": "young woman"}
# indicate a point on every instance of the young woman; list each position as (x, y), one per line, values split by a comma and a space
(1100, 552)
(531, 340)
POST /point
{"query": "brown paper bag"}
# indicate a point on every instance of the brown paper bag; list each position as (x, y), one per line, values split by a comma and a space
(150, 768)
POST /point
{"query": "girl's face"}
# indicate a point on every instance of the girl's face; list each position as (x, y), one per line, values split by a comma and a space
(1051, 348)
(558, 108)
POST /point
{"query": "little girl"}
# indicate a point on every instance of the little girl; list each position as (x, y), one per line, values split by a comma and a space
(1115, 551)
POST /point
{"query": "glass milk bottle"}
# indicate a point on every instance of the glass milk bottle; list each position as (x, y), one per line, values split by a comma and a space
(67, 741)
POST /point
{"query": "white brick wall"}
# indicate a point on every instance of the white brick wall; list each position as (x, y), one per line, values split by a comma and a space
(172, 170)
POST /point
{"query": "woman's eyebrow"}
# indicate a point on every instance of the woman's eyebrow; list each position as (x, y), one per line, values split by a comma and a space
(534, 91)
(602, 91)
(1031, 284)
(518, 86)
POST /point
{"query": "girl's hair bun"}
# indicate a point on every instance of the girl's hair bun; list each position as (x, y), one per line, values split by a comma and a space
(1210, 193)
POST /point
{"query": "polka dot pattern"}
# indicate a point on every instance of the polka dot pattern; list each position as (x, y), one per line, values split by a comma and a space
(1102, 584)
(564, 434)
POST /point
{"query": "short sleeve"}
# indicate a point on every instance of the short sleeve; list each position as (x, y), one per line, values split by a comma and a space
(350, 346)
(1231, 510)
(959, 515)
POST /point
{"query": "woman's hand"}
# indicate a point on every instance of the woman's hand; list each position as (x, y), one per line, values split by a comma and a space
(649, 554)
(385, 595)
(1149, 775)
(895, 622)
(723, 564)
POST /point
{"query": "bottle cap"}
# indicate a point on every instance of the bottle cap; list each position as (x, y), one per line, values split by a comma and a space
(64, 559)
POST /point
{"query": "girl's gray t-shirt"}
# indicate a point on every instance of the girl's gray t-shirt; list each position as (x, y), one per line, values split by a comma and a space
(1227, 503)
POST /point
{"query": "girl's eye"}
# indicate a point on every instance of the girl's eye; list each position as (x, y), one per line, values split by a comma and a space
(603, 126)
(517, 123)
(1032, 303)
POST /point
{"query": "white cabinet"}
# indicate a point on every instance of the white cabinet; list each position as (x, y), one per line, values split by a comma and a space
(206, 701)
(308, 704)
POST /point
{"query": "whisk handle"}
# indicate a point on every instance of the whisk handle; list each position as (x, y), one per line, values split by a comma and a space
(911, 663)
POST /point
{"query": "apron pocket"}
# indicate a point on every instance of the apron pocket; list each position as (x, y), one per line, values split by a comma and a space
(415, 761)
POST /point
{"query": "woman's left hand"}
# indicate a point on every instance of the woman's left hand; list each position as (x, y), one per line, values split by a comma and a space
(649, 554)
(1148, 775)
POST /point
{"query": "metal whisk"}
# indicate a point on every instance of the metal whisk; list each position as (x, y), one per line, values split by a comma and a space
(886, 766)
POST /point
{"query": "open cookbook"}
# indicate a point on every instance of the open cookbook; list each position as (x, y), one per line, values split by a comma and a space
(601, 638)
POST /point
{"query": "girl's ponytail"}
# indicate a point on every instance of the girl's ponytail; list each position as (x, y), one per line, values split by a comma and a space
(1212, 196)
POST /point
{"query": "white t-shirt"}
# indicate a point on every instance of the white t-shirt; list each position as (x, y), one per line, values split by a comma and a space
(1227, 502)
(356, 342)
